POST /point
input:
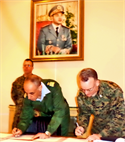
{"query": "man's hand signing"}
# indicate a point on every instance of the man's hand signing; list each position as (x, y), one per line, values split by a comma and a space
(16, 132)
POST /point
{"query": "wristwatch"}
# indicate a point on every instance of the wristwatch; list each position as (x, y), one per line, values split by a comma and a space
(48, 133)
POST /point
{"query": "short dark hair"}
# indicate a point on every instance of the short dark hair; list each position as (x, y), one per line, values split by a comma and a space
(29, 60)
(34, 79)
(86, 73)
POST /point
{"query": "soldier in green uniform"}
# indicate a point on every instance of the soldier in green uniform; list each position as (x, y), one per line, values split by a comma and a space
(17, 91)
(103, 99)
(45, 97)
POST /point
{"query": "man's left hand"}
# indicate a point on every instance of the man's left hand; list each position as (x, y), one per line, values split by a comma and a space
(94, 137)
(41, 136)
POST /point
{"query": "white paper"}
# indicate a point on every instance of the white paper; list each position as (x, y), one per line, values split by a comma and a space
(4, 135)
(51, 139)
(29, 137)
(11, 140)
(102, 141)
(75, 140)
(25, 137)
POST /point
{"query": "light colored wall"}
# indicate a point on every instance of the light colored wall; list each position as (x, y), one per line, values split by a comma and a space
(104, 49)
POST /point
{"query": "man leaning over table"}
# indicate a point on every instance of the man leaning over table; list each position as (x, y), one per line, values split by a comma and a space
(44, 96)
(103, 99)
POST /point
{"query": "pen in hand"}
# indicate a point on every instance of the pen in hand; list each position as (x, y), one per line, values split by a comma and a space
(17, 133)
(77, 124)
(80, 131)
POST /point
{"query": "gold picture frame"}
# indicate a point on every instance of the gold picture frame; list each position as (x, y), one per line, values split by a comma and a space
(73, 20)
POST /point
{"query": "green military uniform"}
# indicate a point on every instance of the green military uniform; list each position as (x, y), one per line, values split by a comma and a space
(17, 94)
(53, 104)
(108, 108)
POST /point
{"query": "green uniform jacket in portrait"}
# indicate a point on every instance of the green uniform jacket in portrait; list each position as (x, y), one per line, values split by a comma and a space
(53, 104)
(108, 108)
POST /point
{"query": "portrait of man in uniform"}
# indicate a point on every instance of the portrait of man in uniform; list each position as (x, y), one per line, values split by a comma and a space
(55, 38)
(55, 29)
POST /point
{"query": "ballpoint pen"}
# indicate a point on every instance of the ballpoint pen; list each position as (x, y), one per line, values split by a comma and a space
(77, 124)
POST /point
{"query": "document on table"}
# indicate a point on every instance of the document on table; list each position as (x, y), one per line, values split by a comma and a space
(102, 141)
(23, 137)
(51, 139)
(75, 140)
(3, 135)
(10, 137)
(26, 138)
(82, 140)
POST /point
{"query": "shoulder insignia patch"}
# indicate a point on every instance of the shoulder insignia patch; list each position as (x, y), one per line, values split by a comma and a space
(51, 84)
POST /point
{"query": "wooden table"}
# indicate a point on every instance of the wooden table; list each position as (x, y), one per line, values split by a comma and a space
(25, 138)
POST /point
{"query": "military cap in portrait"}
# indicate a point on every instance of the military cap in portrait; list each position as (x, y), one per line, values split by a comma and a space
(56, 9)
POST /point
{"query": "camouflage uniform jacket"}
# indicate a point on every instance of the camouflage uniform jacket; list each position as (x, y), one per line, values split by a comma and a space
(53, 105)
(17, 94)
(108, 108)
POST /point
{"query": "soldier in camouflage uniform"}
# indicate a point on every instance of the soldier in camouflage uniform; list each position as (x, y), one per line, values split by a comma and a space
(17, 91)
(103, 99)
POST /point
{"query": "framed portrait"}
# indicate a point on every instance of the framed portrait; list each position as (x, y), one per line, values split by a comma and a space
(57, 30)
